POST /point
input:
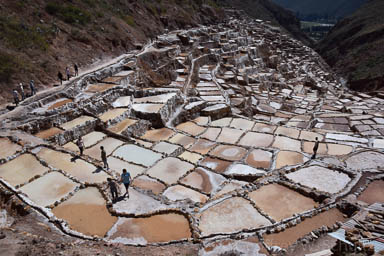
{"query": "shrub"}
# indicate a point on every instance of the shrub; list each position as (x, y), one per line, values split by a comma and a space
(129, 20)
(18, 35)
(68, 13)
(7, 67)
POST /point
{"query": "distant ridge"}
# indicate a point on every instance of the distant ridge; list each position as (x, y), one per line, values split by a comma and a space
(355, 47)
(323, 8)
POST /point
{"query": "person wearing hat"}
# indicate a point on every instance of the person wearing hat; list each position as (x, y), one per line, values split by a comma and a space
(22, 91)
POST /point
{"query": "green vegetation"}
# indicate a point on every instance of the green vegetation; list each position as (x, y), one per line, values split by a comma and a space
(129, 20)
(17, 35)
(9, 65)
(69, 13)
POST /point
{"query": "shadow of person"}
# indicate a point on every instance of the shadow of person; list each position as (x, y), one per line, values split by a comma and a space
(73, 159)
(118, 199)
(98, 169)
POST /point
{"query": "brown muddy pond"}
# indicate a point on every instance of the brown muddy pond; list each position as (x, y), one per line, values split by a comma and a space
(289, 236)
(154, 229)
(86, 212)
(374, 193)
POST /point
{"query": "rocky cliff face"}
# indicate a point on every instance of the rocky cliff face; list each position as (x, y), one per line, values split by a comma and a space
(269, 11)
(324, 8)
(355, 47)
(39, 38)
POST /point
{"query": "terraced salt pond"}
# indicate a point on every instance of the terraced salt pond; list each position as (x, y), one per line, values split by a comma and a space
(154, 229)
(8, 148)
(80, 169)
(86, 212)
(21, 169)
(49, 188)
(216, 157)
(280, 202)
(137, 155)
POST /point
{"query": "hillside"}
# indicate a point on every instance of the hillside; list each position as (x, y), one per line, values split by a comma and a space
(269, 11)
(312, 9)
(355, 47)
(39, 38)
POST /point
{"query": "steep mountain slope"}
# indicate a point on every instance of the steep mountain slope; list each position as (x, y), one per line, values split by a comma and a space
(38, 38)
(324, 8)
(267, 10)
(355, 47)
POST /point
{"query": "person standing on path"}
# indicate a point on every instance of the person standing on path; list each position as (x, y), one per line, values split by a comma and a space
(80, 144)
(113, 187)
(126, 180)
(68, 73)
(315, 148)
(60, 76)
(16, 97)
(76, 69)
(32, 87)
(22, 91)
(104, 157)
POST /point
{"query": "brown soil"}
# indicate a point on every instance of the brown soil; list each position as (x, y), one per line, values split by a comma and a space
(374, 193)
(289, 236)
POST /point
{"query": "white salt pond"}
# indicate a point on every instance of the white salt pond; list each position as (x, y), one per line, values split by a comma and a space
(118, 165)
(131, 206)
(76, 122)
(21, 169)
(109, 144)
(178, 192)
(138, 155)
(231, 215)
(8, 148)
(49, 188)
(80, 169)
(254, 139)
(203, 180)
(241, 169)
(321, 178)
(170, 169)
(112, 114)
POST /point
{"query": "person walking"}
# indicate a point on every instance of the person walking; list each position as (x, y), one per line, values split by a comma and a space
(113, 187)
(32, 87)
(80, 144)
(22, 91)
(315, 148)
(68, 73)
(16, 97)
(104, 157)
(126, 180)
(60, 76)
(76, 68)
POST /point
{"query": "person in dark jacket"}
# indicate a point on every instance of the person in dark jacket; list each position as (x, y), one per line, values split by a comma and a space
(104, 157)
(315, 148)
(60, 76)
(113, 187)
(76, 68)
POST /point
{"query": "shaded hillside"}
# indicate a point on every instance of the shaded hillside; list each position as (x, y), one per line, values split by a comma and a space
(355, 47)
(314, 9)
(267, 10)
(38, 38)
